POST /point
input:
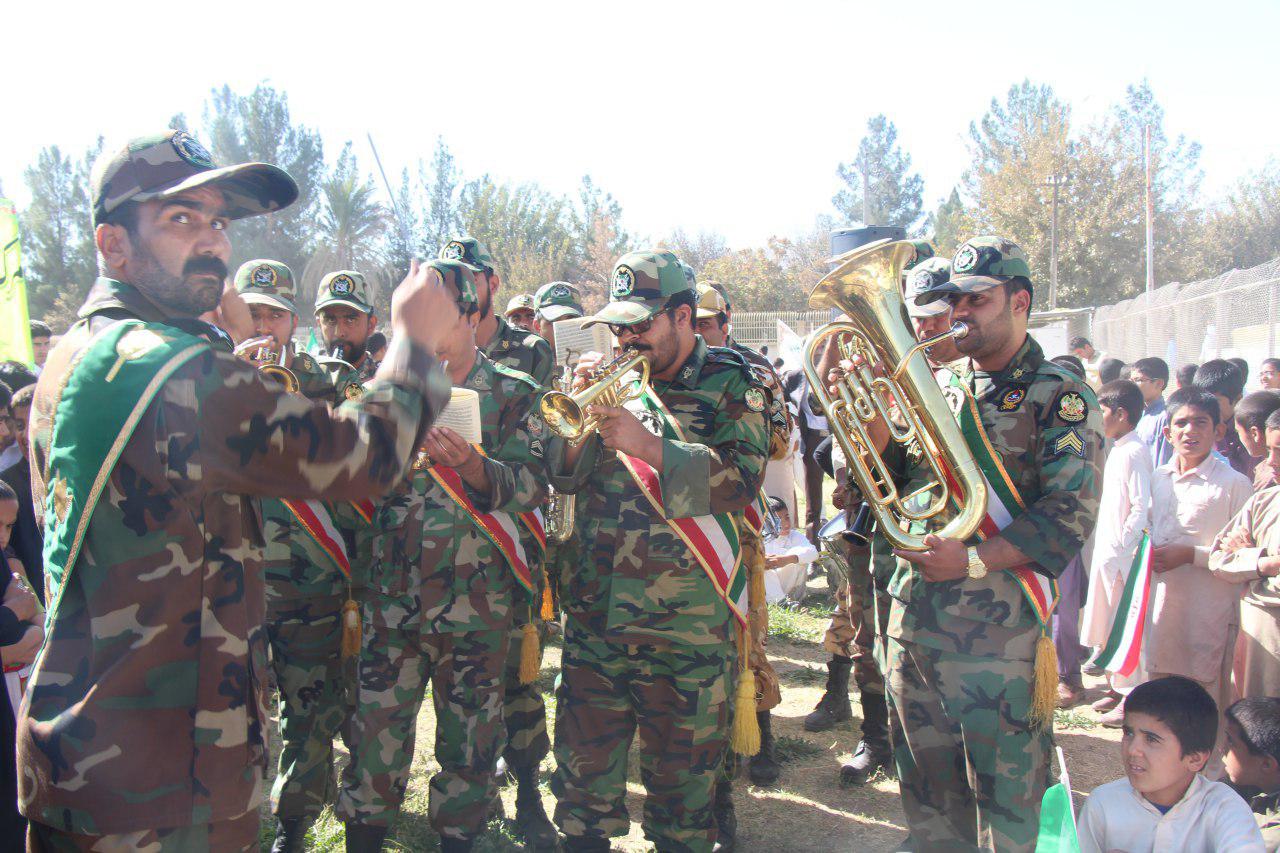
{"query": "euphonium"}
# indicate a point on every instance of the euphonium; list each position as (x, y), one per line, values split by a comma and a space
(878, 333)
(566, 414)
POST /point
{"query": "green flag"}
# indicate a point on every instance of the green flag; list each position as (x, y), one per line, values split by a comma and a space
(15, 324)
(1057, 818)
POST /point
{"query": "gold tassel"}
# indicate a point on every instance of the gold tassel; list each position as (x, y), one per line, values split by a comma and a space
(744, 736)
(548, 612)
(529, 653)
(1044, 685)
(350, 629)
(755, 569)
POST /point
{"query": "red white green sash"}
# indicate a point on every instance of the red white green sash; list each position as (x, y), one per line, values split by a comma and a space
(1004, 504)
(500, 528)
(756, 512)
(364, 509)
(713, 539)
(1123, 648)
(316, 522)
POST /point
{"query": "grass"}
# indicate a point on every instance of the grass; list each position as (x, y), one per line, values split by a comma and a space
(789, 748)
(804, 675)
(1073, 719)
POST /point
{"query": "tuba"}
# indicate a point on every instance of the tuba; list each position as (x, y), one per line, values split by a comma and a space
(865, 286)
(566, 414)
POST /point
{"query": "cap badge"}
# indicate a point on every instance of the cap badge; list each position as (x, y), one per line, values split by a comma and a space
(353, 391)
(624, 281)
(966, 259)
(922, 281)
(264, 276)
(342, 285)
(455, 251)
(560, 291)
(192, 151)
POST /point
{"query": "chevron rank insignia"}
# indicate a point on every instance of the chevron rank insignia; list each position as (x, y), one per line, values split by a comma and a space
(1069, 442)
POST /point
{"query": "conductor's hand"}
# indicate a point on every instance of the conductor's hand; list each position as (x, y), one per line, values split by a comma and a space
(621, 430)
(422, 307)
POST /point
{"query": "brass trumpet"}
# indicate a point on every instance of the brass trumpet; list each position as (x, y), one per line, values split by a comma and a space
(566, 414)
(878, 333)
(268, 363)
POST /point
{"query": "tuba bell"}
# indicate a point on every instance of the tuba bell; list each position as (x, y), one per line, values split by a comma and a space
(865, 286)
(566, 414)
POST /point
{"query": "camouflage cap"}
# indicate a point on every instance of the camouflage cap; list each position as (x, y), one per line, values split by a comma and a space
(461, 277)
(689, 275)
(164, 164)
(710, 302)
(642, 284)
(267, 282)
(925, 276)
(519, 302)
(557, 300)
(470, 251)
(924, 251)
(981, 264)
(345, 287)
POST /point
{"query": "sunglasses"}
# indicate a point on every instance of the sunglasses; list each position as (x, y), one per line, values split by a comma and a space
(634, 328)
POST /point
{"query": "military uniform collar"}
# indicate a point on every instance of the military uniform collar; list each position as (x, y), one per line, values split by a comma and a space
(478, 377)
(503, 336)
(1020, 369)
(692, 369)
(108, 294)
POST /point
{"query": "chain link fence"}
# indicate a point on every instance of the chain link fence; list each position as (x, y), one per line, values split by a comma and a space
(1235, 314)
(760, 328)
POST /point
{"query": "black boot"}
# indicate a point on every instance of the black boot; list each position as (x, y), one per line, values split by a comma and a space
(578, 844)
(763, 767)
(726, 820)
(291, 832)
(873, 751)
(456, 845)
(532, 822)
(363, 838)
(834, 705)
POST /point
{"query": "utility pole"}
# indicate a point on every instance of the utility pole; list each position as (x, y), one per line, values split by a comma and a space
(866, 195)
(1055, 181)
(1150, 210)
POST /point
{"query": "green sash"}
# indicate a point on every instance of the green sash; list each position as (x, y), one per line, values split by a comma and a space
(105, 393)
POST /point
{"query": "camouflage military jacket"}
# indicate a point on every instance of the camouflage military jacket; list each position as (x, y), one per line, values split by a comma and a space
(634, 580)
(779, 414)
(522, 351)
(1045, 425)
(295, 567)
(346, 379)
(147, 708)
(433, 569)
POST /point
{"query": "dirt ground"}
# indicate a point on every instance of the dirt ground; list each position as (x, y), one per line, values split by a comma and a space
(808, 809)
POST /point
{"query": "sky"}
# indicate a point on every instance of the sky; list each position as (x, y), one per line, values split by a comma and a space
(702, 115)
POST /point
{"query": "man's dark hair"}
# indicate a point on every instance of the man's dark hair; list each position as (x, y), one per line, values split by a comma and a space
(376, 342)
(1197, 398)
(1187, 375)
(777, 504)
(6, 396)
(1017, 284)
(1071, 363)
(1243, 367)
(1079, 342)
(684, 297)
(22, 397)
(1109, 370)
(1219, 376)
(1273, 363)
(1153, 367)
(1124, 395)
(1182, 705)
(40, 329)
(1259, 721)
(1254, 409)
(16, 375)
(6, 492)
(1273, 420)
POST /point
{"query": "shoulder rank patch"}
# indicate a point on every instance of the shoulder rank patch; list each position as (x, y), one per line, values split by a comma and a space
(1069, 442)
(755, 399)
(1072, 408)
(1012, 399)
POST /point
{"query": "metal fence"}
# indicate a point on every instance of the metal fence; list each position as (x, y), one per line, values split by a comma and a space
(760, 328)
(1235, 314)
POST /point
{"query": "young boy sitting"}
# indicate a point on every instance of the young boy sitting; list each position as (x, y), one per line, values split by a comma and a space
(1253, 760)
(1194, 615)
(1163, 803)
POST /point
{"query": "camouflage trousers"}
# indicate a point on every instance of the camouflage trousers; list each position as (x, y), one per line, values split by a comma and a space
(465, 671)
(853, 628)
(523, 711)
(224, 836)
(677, 699)
(315, 686)
(971, 770)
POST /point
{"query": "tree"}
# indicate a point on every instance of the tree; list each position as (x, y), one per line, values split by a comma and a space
(1247, 224)
(880, 188)
(349, 228)
(528, 231)
(439, 186)
(57, 234)
(696, 250)
(403, 243)
(600, 240)
(950, 224)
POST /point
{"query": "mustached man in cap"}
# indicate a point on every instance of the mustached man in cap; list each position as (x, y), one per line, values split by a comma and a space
(308, 576)
(345, 314)
(449, 582)
(653, 623)
(146, 722)
(520, 312)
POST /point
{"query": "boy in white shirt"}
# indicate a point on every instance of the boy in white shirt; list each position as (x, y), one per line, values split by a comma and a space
(1164, 803)
(788, 556)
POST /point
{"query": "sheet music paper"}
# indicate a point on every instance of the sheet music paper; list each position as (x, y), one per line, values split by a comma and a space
(462, 414)
(572, 340)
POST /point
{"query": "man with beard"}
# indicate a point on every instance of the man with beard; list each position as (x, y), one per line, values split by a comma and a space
(145, 725)
(968, 619)
(520, 312)
(656, 597)
(344, 309)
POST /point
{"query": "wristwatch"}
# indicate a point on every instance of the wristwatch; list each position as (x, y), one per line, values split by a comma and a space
(977, 568)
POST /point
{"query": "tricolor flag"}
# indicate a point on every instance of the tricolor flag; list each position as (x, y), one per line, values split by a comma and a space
(15, 325)
(1124, 643)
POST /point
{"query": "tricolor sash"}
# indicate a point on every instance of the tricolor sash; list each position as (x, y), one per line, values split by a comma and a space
(1123, 648)
(106, 392)
(316, 522)
(713, 539)
(364, 509)
(756, 513)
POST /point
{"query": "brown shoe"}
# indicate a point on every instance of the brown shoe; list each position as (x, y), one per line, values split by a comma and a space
(1107, 702)
(1114, 718)
(1069, 695)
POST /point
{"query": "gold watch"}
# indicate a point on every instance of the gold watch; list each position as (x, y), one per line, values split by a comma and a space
(977, 569)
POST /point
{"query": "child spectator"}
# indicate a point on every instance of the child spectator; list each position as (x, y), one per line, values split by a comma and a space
(41, 335)
(1110, 369)
(1151, 375)
(1123, 516)
(1251, 429)
(9, 450)
(1222, 379)
(1269, 375)
(27, 541)
(1194, 615)
(1163, 803)
(787, 558)
(1187, 375)
(1253, 760)
(20, 639)
(1242, 366)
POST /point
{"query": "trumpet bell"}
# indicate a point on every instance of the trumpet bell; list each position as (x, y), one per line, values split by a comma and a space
(566, 414)
(562, 414)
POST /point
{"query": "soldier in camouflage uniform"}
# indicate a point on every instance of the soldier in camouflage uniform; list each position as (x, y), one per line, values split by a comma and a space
(649, 644)
(305, 590)
(442, 601)
(555, 301)
(961, 636)
(520, 312)
(145, 725)
(344, 309)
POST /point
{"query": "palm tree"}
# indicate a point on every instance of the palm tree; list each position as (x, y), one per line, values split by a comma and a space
(350, 226)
